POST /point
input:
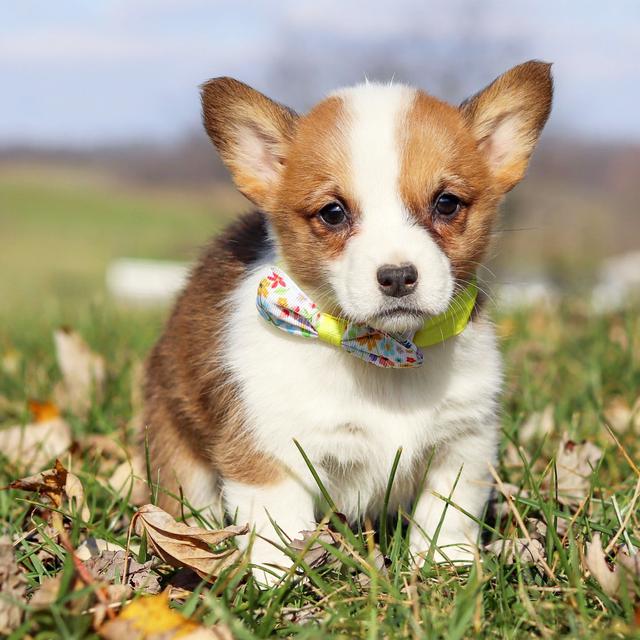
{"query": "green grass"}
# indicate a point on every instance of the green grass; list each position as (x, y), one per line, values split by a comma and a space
(60, 231)
(565, 358)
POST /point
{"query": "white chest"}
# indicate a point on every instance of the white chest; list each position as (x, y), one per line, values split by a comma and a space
(349, 416)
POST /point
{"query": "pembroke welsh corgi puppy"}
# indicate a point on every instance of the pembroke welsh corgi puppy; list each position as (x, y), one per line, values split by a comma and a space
(376, 207)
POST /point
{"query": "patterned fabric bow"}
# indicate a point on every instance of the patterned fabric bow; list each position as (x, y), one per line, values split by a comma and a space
(282, 303)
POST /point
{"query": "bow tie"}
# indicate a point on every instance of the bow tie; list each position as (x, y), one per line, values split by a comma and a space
(282, 303)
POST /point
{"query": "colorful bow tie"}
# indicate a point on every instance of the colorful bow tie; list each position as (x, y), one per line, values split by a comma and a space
(282, 303)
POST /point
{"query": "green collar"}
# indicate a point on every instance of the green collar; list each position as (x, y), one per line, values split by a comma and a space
(434, 331)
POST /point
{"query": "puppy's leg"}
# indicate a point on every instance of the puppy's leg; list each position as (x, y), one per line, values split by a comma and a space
(287, 502)
(459, 471)
(177, 468)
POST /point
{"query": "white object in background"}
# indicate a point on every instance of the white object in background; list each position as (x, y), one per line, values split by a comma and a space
(527, 293)
(145, 282)
(618, 283)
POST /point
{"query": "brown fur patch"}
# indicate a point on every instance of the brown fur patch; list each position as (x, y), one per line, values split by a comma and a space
(192, 409)
(317, 173)
(438, 153)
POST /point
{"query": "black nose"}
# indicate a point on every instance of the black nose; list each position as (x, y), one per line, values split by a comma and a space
(397, 280)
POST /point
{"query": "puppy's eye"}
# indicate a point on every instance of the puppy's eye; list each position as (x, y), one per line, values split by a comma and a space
(333, 215)
(447, 205)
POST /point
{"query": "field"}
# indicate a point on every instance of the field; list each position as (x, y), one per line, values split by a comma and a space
(570, 410)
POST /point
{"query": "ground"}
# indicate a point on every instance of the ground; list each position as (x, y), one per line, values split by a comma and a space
(572, 376)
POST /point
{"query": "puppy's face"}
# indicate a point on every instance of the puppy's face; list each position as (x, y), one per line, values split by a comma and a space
(382, 198)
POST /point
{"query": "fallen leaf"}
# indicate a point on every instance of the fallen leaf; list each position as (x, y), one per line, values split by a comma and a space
(181, 545)
(47, 593)
(575, 463)
(102, 446)
(605, 574)
(108, 566)
(528, 551)
(151, 618)
(13, 586)
(33, 445)
(301, 615)
(11, 360)
(92, 547)
(56, 484)
(310, 546)
(126, 480)
(537, 425)
(379, 565)
(83, 372)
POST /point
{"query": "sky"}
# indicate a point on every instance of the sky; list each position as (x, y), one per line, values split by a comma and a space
(85, 72)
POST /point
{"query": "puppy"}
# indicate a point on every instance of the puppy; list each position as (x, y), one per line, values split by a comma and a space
(378, 205)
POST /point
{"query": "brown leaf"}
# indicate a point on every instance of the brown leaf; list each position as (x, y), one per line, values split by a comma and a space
(33, 445)
(181, 545)
(13, 586)
(528, 551)
(83, 372)
(47, 593)
(109, 566)
(575, 462)
(309, 544)
(56, 484)
(378, 563)
(606, 575)
(151, 618)
(126, 480)
(537, 425)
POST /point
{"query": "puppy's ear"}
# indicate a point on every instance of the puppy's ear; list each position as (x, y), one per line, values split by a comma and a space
(506, 119)
(251, 132)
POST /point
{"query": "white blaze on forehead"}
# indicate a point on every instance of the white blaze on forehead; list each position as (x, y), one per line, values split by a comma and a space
(376, 112)
(386, 232)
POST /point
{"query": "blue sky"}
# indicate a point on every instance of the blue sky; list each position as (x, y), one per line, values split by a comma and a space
(101, 71)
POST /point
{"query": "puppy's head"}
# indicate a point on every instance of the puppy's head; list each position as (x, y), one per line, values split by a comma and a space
(382, 198)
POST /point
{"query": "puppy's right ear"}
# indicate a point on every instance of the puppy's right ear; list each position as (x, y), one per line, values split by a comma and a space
(251, 132)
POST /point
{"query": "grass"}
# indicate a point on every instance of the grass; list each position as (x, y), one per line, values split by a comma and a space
(578, 364)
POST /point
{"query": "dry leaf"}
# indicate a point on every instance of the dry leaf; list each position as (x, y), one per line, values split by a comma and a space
(83, 372)
(109, 566)
(606, 575)
(183, 546)
(314, 553)
(610, 575)
(151, 618)
(575, 463)
(47, 594)
(11, 360)
(126, 480)
(13, 586)
(102, 446)
(528, 551)
(537, 425)
(33, 445)
(378, 563)
(301, 615)
(55, 484)
(621, 416)
(93, 547)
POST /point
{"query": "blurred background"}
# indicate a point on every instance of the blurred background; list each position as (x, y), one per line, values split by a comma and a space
(103, 157)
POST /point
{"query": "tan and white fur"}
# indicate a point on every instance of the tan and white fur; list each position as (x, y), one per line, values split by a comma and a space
(227, 394)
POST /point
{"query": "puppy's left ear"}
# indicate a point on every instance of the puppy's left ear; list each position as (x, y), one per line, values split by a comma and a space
(506, 119)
